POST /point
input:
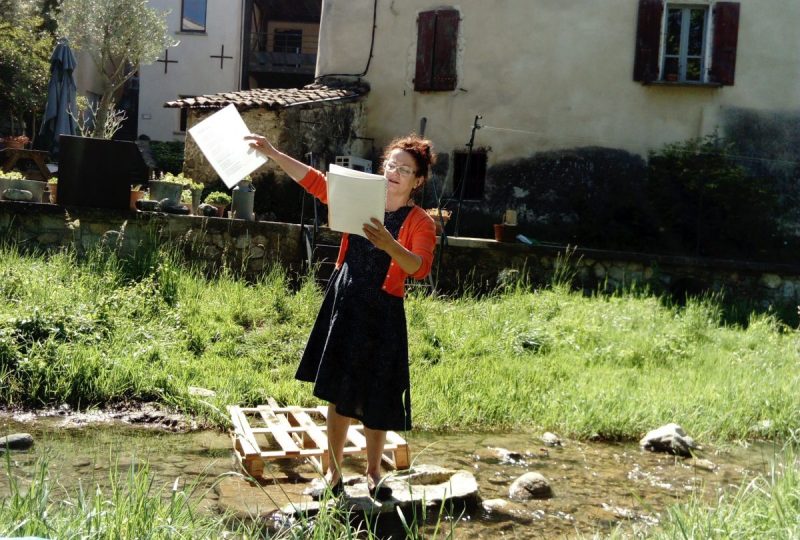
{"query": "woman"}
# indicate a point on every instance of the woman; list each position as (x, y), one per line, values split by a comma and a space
(357, 353)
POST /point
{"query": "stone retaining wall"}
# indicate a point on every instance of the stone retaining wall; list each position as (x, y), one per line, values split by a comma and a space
(250, 248)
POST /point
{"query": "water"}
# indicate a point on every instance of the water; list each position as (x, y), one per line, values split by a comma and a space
(597, 486)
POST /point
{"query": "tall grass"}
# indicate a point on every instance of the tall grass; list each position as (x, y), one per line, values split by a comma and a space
(132, 507)
(765, 506)
(136, 505)
(93, 332)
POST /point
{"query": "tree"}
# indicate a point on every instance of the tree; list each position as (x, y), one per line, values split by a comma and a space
(120, 36)
(24, 66)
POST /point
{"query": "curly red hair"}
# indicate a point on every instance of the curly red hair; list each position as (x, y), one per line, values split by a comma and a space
(420, 149)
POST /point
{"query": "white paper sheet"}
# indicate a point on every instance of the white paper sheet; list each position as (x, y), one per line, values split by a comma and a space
(221, 139)
(353, 198)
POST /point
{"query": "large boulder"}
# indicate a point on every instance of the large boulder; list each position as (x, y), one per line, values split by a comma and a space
(670, 438)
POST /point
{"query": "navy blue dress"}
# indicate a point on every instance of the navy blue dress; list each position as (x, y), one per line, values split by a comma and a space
(357, 353)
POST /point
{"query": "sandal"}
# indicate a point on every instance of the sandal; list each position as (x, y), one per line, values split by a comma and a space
(379, 492)
(318, 492)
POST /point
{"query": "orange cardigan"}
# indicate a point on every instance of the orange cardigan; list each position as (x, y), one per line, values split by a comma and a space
(417, 234)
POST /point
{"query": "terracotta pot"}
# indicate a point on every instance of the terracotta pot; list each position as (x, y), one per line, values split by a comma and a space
(16, 142)
(438, 222)
(53, 188)
(505, 233)
(220, 209)
(136, 196)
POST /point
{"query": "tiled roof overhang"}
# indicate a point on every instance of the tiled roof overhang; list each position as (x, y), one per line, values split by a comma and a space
(272, 98)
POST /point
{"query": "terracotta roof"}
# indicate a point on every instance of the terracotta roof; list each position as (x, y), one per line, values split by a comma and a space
(272, 98)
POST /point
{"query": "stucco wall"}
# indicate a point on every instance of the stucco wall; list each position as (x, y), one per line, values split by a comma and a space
(552, 74)
(196, 73)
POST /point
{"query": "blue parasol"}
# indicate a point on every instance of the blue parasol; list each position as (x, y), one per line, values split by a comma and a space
(60, 98)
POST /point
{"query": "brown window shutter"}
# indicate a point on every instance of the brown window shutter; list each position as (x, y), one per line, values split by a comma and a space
(426, 28)
(726, 38)
(648, 40)
(445, 50)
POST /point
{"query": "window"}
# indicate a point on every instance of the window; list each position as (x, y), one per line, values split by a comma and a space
(475, 180)
(288, 41)
(290, 44)
(437, 44)
(193, 15)
(685, 43)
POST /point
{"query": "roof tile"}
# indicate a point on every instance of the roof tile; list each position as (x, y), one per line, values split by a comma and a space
(272, 98)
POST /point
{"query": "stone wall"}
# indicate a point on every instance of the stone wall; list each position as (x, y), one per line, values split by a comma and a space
(250, 248)
(323, 130)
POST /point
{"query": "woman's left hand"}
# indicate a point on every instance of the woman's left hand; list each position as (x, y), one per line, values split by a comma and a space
(378, 235)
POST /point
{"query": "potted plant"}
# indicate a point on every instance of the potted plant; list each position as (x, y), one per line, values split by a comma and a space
(440, 217)
(137, 193)
(167, 186)
(15, 141)
(220, 200)
(52, 186)
(507, 230)
(195, 193)
(15, 180)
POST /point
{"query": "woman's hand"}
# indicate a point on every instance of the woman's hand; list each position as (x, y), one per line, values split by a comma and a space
(378, 235)
(383, 239)
(261, 144)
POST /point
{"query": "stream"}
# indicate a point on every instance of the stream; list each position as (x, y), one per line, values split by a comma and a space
(597, 487)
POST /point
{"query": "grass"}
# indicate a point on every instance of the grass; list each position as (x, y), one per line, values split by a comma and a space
(766, 506)
(100, 331)
(134, 506)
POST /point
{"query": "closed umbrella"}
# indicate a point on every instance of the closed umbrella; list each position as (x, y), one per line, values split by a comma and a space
(60, 98)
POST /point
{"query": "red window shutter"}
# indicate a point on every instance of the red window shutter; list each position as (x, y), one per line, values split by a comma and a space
(726, 38)
(445, 50)
(648, 40)
(426, 29)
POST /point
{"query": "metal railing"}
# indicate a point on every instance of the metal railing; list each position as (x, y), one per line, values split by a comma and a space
(283, 54)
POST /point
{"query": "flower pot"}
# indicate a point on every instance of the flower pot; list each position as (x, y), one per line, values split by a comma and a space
(16, 142)
(136, 196)
(165, 190)
(36, 187)
(220, 209)
(505, 233)
(440, 222)
(53, 192)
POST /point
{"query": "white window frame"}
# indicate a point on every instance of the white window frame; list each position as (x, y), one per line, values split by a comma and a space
(705, 55)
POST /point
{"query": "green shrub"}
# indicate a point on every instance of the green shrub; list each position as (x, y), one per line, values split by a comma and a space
(706, 204)
(168, 155)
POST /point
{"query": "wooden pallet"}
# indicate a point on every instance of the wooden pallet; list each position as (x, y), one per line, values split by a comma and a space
(270, 432)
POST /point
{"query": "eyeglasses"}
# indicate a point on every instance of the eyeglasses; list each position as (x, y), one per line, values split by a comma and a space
(402, 170)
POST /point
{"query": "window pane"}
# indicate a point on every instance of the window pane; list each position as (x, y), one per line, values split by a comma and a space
(673, 41)
(671, 69)
(693, 69)
(194, 15)
(697, 20)
(290, 41)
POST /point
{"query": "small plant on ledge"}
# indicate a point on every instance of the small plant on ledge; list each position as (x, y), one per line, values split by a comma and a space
(12, 175)
(218, 198)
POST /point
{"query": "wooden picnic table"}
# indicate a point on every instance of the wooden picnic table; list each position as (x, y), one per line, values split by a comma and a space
(39, 157)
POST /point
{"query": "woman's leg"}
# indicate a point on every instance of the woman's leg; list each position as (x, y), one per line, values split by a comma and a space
(337, 436)
(375, 442)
